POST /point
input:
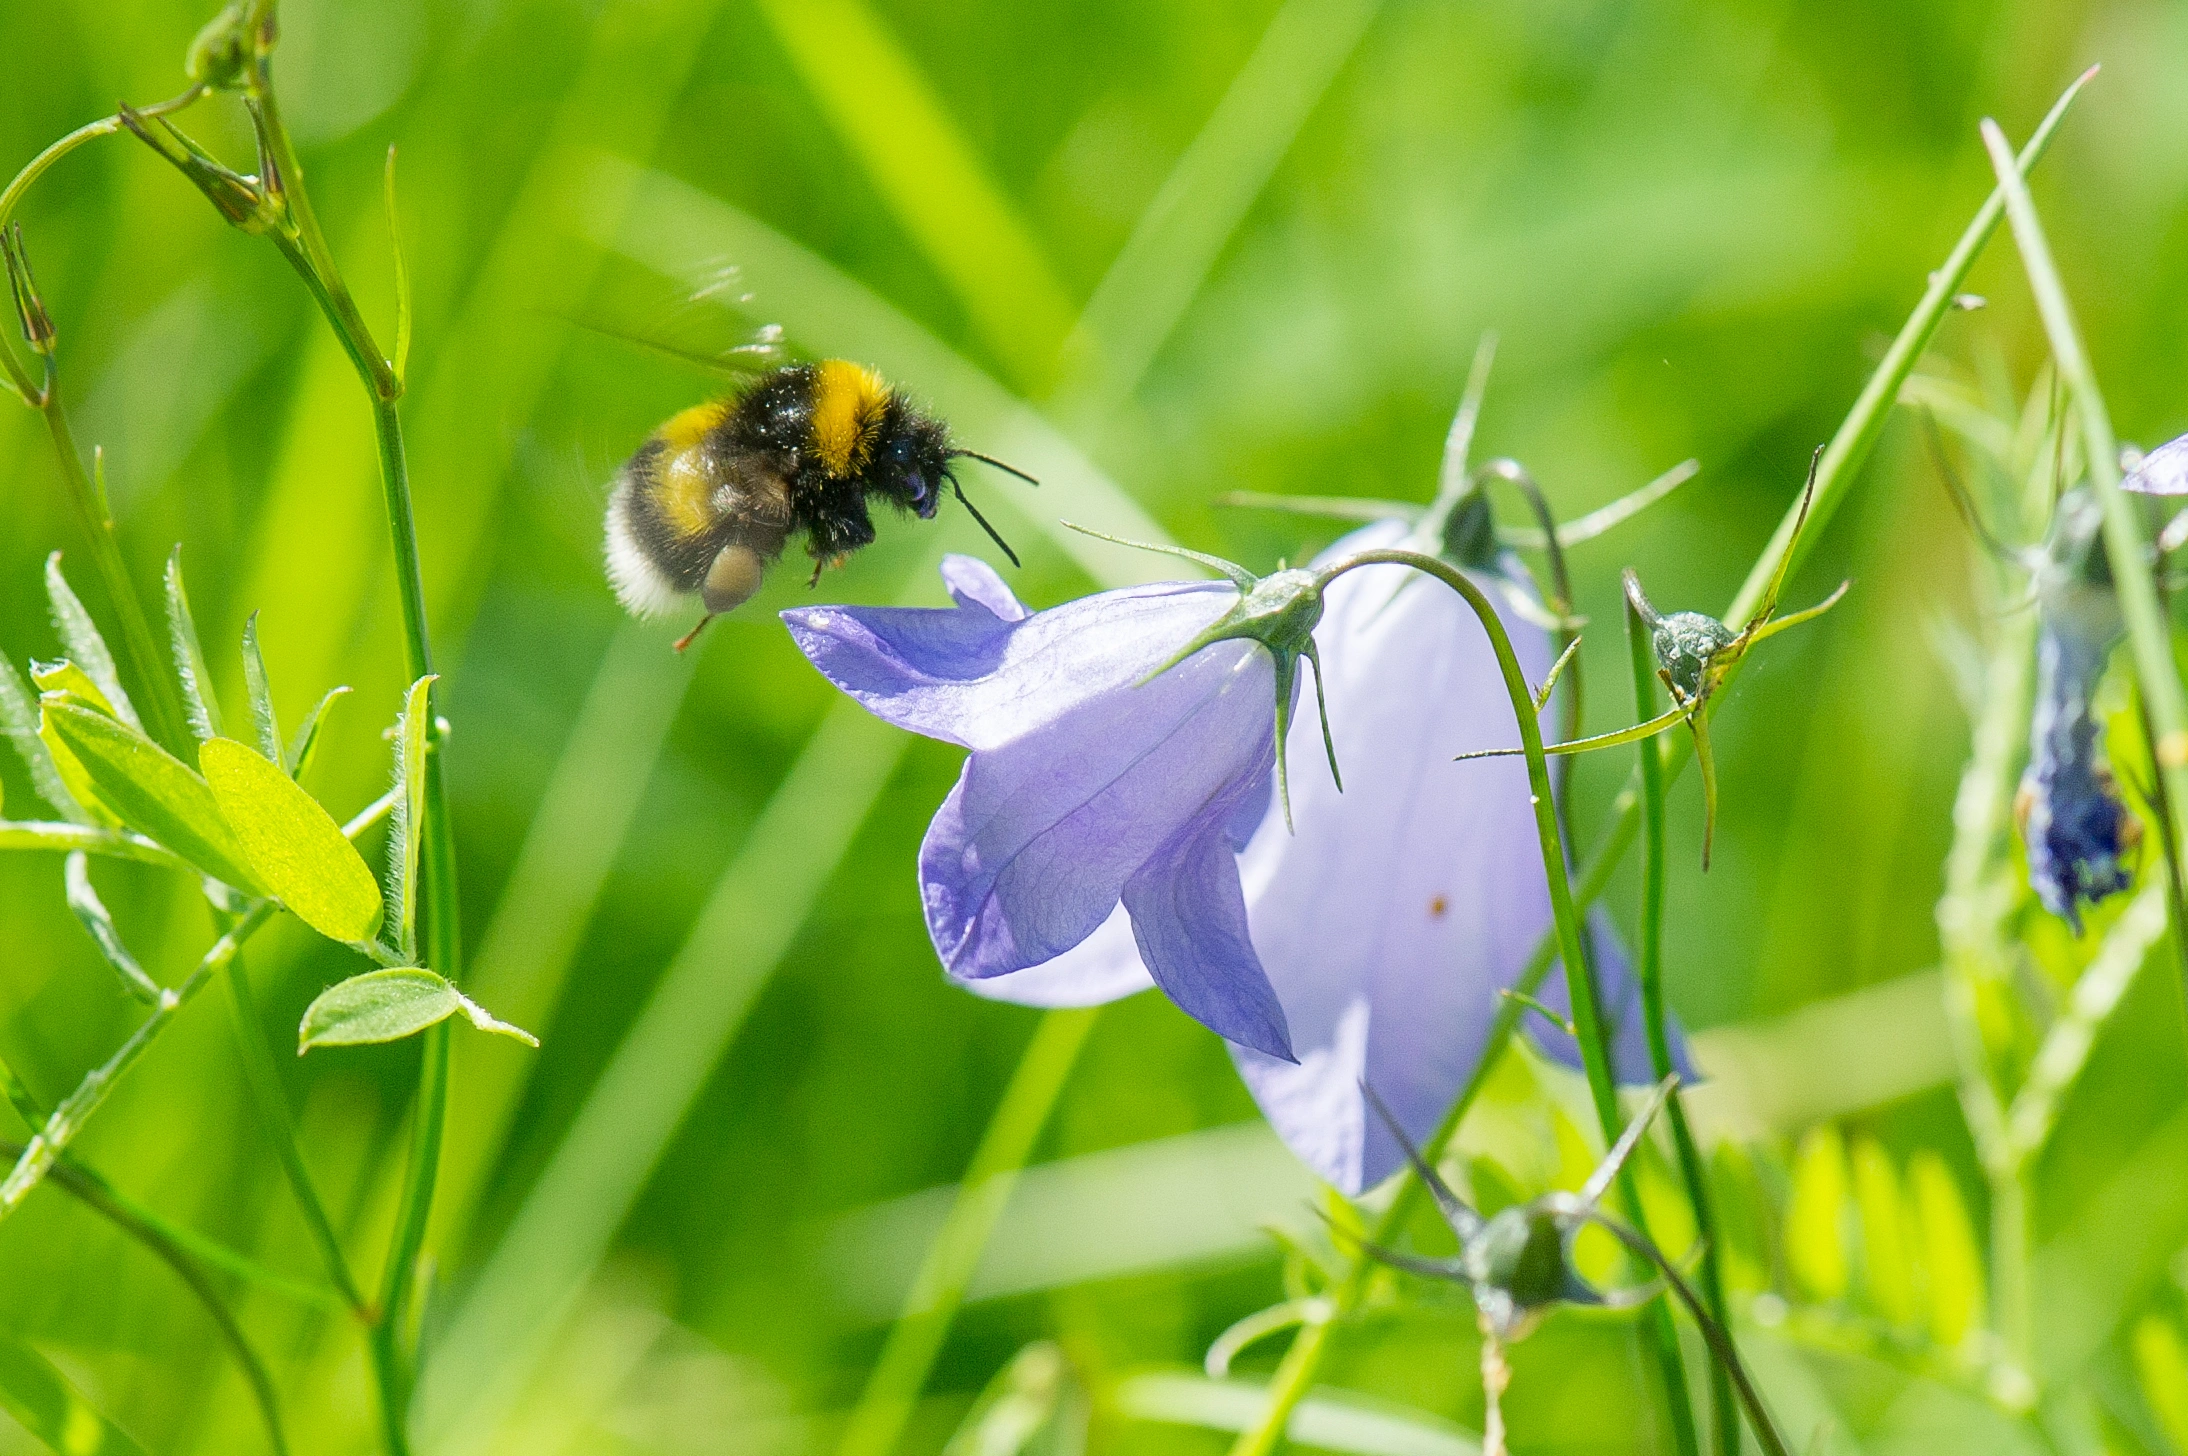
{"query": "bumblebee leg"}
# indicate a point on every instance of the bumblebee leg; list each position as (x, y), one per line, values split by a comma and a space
(693, 635)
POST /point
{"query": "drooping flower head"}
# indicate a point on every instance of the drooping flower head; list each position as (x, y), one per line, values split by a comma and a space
(1106, 776)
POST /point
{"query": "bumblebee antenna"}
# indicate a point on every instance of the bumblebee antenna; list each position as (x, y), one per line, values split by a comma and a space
(993, 534)
(999, 465)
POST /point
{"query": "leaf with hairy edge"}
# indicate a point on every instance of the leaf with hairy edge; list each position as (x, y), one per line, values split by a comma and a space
(306, 741)
(383, 1006)
(182, 637)
(262, 708)
(40, 1396)
(153, 791)
(403, 839)
(65, 678)
(19, 720)
(86, 648)
(295, 846)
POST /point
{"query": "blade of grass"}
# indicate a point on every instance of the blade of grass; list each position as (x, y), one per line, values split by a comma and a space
(930, 177)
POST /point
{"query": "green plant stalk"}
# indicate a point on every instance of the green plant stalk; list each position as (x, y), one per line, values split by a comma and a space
(96, 1194)
(1295, 1375)
(892, 1391)
(68, 1119)
(303, 244)
(1842, 459)
(2127, 548)
(272, 1103)
(1651, 973)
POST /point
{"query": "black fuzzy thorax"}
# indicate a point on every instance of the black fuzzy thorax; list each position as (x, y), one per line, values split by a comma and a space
(771, 427)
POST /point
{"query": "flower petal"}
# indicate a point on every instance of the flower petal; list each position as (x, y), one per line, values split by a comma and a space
(1032, 849)
(1102, 968)
(972, 582)
(967, 675)
(1621, 992)
(1189, 917)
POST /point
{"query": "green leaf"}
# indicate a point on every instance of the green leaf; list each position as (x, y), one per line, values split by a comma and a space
(19, 720)
(66, 677)
(382, 1006)
(2161, 1365)
(404, 840)
(182, 636)
(151, 790)
(19, 1097)
(75, 781)
(1814, 1244)
(86, 648)
(1331, 1421)
(263, 719)
(41, 1398)
(1887, 1272)
(306, 741)
(90, 838)
(295, 846)
(1952, 1261)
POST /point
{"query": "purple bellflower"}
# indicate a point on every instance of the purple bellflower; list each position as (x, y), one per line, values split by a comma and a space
(1104, 778)
(1384, 920)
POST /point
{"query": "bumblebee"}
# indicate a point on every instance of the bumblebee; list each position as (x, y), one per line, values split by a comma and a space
(710, 500)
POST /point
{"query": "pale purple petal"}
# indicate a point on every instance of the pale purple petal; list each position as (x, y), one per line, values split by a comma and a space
(2164, 471)
(1102, 968)
(1033, 848)
(972, 582)
(1189, 917)
(1621, 991)
(968, 676)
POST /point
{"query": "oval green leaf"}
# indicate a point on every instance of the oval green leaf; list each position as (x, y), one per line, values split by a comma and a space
(154, 792)
(381, 1006)
(295, 846)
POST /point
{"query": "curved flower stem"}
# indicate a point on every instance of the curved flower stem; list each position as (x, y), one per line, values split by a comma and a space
(1651, 957)
(95, 1193)
(892, 1391)
(1591, 1030)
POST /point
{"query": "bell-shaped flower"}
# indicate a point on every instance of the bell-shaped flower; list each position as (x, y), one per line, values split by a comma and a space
(1391, 914)
(1106, 777)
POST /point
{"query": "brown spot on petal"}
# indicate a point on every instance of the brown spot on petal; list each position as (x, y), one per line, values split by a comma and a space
(1437, 906)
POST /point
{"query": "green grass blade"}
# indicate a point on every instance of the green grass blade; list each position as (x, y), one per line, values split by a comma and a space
(81, 640)
(198, 700)
(934, 184)
(40, 1397)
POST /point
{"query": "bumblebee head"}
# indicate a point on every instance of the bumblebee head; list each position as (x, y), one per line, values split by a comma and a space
(911, 461)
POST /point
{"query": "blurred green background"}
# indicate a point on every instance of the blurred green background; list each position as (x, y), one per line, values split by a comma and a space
(1215, 246)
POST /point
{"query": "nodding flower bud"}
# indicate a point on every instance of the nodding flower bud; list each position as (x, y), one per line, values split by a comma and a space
(2078, 832)
(220, 56)
(1684, 642)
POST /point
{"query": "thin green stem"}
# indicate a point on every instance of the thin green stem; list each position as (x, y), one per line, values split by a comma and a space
(892, 1391)
(68, 1119)
(1842, 460)
(1651, 971)
(95, 1193)
(155, 686)
(264, 1081)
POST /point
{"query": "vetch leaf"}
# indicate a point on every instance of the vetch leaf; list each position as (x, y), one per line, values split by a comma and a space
(404, 840)
(1887, 1273)
(306, 740)
(151, 790)
(41, 1398)
(66, 677)
(75, 781)
(383, 1006)
(19, 720)
(1815, 1247)
(1952, 1261)
(182, 636)
(262, 709)
(86, 648)
(295, 846)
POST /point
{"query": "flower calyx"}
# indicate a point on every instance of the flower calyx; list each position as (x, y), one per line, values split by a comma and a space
(225, 50)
